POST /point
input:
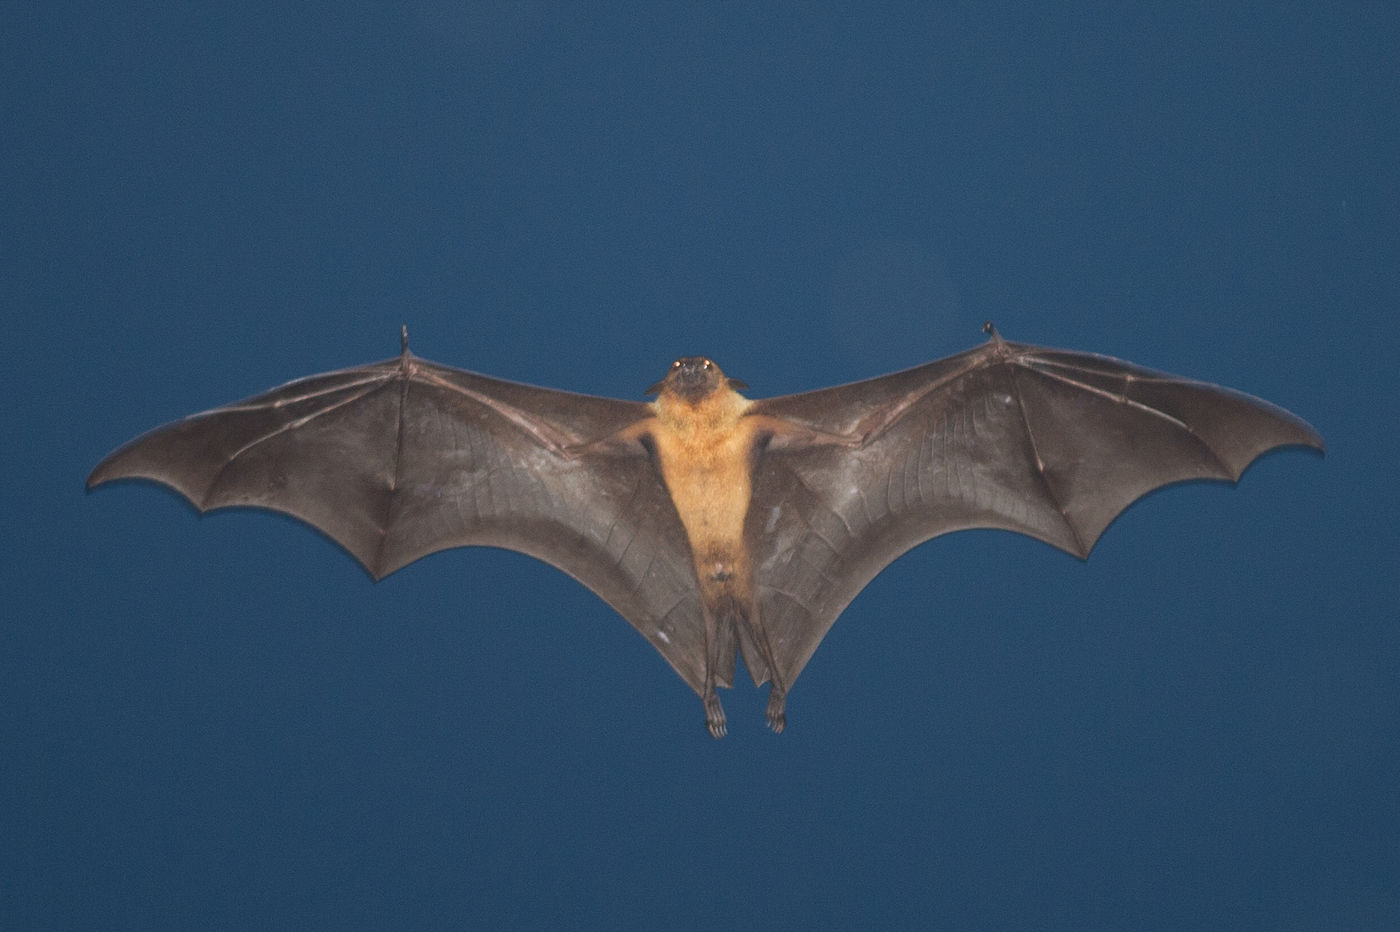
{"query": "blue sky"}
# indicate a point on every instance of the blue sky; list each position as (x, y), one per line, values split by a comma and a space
(222, 722)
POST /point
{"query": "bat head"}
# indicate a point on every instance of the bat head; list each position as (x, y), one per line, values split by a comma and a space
(693, 379)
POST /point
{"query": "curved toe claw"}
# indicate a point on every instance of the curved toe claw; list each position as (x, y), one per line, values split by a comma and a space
(714, 716)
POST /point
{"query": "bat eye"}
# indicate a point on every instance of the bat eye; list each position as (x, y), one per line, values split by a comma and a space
(676, 364)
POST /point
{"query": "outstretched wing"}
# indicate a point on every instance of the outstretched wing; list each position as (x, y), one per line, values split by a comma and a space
(405, 457)
(1049, 443)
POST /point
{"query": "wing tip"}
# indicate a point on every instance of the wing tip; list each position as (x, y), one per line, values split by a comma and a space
(109, 471)
(1302, 435)
(1312, 443)
(96, 477)
(1289, 432)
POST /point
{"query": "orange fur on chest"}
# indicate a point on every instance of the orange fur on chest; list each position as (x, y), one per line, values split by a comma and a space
(705, 453)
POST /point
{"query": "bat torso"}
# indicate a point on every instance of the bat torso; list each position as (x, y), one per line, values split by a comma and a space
(704, 452)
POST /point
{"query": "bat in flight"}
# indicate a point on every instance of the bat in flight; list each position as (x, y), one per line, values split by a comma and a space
(713, 523)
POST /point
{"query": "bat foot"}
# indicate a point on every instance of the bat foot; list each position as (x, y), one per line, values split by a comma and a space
(714, 716)
(777, 718)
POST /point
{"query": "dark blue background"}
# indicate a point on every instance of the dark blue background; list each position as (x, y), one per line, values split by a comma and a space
(223, 723)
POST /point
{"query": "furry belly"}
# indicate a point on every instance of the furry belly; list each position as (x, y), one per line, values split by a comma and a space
(710, 486)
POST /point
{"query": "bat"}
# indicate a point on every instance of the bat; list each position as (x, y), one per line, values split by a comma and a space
(716, 525)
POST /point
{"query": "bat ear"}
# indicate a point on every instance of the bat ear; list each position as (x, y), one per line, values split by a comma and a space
(739, 385)
(656, 389)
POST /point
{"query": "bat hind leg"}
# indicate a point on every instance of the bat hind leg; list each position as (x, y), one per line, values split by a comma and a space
(714, 712)
(777, 700)
(719, 658)
(767, 662)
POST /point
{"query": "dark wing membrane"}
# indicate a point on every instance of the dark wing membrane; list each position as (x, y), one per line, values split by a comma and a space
(1048, 443)
(402, 458)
